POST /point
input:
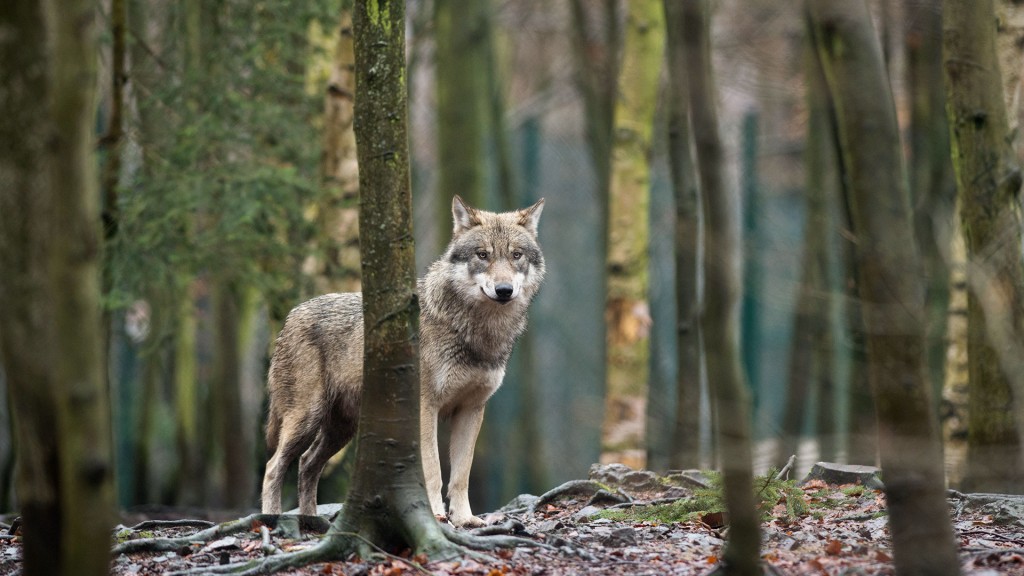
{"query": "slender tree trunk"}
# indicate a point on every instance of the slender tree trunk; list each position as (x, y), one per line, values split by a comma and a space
(808, 366)
(111, 145)
(49, 251)
(988, 179)
(685, 444)
(750, 306)
(462, 34)
(932, 187)
(597, 66)
(955, 408)
(890, 286)
(236, 455)
(189, 482)
(596, 40)
(627, 311)
(720, 320)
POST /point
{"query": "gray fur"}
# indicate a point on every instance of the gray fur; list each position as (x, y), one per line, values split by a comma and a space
(473, 305)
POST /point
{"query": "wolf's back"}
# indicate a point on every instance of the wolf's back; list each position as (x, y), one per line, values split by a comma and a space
(318, 360)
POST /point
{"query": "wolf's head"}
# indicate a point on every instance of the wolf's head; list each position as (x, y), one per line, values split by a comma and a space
(496, 257)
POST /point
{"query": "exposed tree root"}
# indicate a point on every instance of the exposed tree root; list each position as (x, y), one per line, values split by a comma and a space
(497, 537)
(338, 546)
(184, 523)
(570, 488)
(289, 523)
(334, 547)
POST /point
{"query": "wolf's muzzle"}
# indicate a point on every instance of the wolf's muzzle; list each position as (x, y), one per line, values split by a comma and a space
(503, 291)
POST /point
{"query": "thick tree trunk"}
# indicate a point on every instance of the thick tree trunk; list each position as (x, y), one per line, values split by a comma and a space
(988, 179)
(890, 285)
(26, 318)
(387, 503)
(720, 320)
(336, 266)
(685, 443)
(627, 312)
(49, 251)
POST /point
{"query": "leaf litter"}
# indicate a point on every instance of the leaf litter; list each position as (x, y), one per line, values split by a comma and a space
(832, 530)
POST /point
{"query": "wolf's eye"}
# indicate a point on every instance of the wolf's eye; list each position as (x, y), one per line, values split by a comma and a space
(482, 255)
(517, 255)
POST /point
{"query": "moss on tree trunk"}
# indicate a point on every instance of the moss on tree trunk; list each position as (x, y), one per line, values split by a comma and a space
(627, 311)
(988, 181)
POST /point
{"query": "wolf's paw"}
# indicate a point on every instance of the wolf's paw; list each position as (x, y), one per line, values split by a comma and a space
(466, 521)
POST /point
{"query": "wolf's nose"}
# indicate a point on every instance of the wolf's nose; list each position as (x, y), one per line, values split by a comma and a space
(503, 290)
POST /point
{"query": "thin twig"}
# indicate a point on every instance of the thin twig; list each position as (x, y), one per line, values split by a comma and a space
(785, 469)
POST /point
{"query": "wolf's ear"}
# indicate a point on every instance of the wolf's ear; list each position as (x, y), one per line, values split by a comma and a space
(530, 217)
(464, 216)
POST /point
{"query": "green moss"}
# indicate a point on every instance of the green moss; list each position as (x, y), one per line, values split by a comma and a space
(380, 15)
(769, 492)
(855, 491)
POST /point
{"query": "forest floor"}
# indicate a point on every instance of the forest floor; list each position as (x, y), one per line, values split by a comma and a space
(656, 527)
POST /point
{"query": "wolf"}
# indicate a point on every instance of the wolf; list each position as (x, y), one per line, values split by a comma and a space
(473, 307)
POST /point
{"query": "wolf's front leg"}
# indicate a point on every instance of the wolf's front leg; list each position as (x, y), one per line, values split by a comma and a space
(465, 428)
(431, 458)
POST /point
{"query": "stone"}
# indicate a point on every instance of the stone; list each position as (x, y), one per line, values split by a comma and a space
(838, 474)
(620, 538)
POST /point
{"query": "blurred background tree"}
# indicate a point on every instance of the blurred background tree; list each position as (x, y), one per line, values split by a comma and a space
(226, 163)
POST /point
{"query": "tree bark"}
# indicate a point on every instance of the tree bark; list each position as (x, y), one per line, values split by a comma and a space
(933, 193)
(720, 320)
(685, 443)
(337, 260)
(627, 312)
(988, 180)
(49, 251)
(462, 34)
(387, 503)
(890, 285)
(26, 318)
(809, 368)
(236, 453)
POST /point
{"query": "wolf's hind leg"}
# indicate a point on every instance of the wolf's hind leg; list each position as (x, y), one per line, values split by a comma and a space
(329, 440)
(290, 444)
(465, 428)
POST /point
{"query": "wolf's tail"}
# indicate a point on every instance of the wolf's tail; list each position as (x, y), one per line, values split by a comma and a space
(273, 431)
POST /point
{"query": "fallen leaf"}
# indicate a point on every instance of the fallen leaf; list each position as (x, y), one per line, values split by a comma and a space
(713, 519)
(834, 547)
(882, 556)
